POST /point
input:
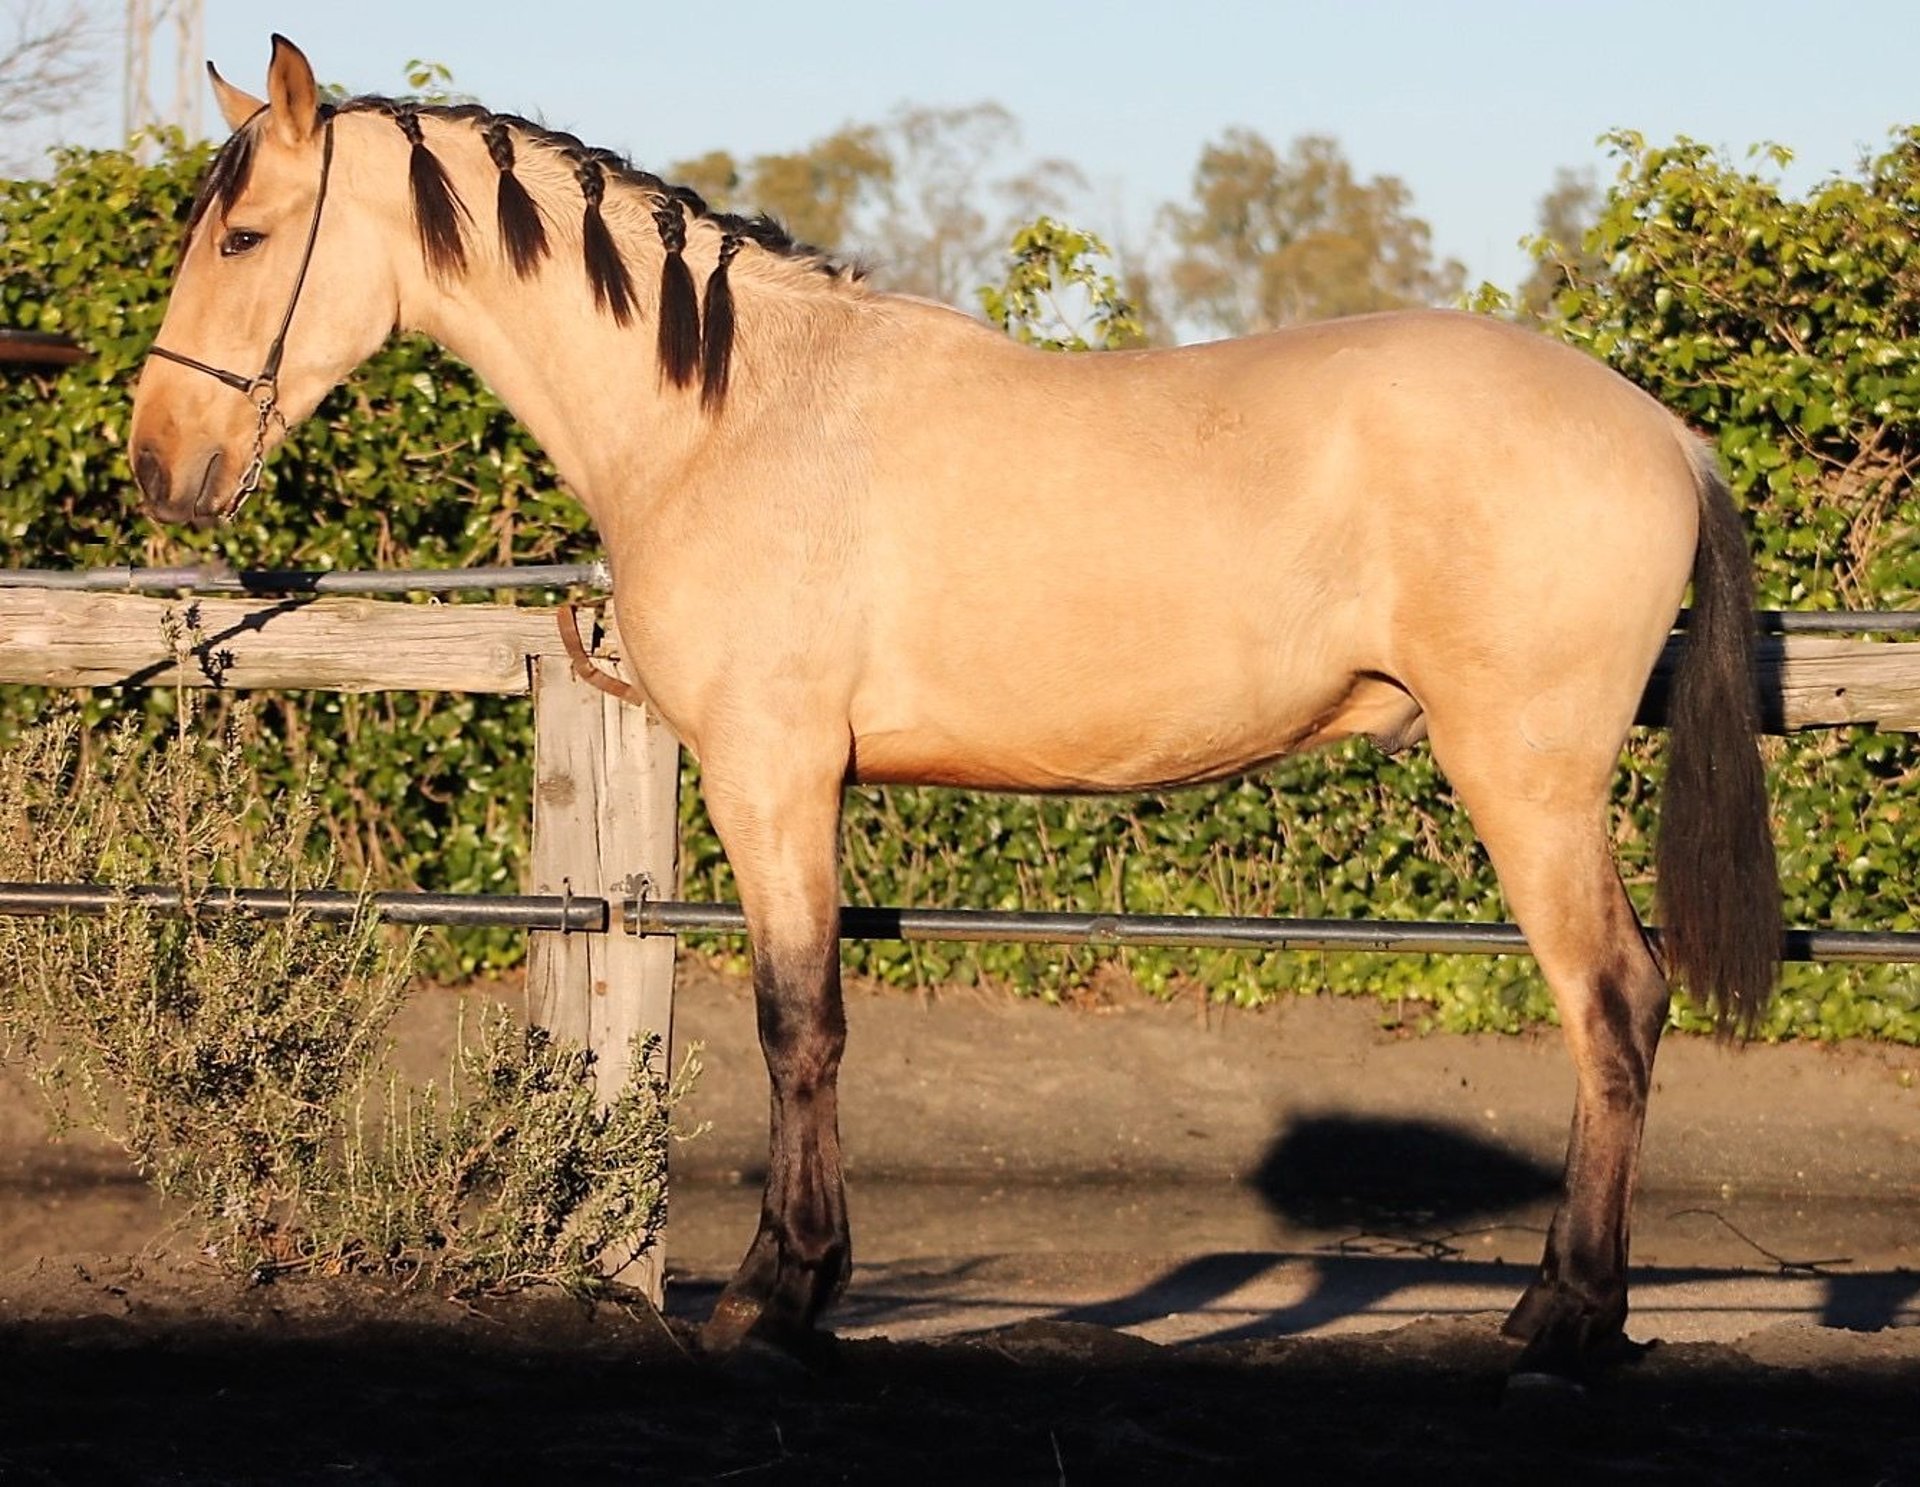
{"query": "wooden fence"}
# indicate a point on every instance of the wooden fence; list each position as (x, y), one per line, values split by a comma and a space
(606, 774)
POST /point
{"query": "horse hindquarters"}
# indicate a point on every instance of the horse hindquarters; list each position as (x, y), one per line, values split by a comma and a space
(1529, 652)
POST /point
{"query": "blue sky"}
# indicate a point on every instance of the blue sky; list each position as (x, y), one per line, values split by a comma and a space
(1474, 105)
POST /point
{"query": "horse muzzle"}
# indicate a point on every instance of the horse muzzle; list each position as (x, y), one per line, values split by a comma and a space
(199, 499)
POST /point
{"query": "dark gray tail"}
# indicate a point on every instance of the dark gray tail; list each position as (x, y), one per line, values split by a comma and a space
(1719, 884)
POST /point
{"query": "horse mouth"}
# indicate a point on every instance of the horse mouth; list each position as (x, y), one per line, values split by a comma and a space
(208, 510)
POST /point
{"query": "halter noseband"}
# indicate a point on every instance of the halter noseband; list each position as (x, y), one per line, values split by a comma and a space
(264, 390)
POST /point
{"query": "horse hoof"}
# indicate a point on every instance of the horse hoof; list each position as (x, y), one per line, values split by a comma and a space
(734, 1318)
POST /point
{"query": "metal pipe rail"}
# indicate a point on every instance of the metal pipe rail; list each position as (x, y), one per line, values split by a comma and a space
(576, 914)
(645, 916)
(567, 913)
(216, 579)
(1833, 621)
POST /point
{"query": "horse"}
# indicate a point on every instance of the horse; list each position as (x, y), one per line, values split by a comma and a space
(858, 537)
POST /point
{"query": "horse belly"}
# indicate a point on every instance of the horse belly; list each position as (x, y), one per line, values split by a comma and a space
(1127, 737)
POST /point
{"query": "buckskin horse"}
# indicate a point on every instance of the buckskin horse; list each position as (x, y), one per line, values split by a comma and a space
(860, 537)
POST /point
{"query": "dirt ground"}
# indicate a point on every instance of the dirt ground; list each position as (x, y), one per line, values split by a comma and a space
(1133, 1244)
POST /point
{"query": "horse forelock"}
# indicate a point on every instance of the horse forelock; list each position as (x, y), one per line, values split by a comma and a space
(227, 174)
(695, 331)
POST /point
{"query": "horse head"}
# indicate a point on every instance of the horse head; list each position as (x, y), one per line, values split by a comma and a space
(282, 289)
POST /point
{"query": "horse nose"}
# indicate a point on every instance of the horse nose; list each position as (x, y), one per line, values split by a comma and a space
(150, 474)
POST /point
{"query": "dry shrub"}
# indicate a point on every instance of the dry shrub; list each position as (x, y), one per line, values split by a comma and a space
(240, 1061)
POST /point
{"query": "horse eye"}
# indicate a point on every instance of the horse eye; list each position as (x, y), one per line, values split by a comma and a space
(240, 241)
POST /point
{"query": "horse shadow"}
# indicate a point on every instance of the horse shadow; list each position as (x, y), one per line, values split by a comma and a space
(1869, 1302)
(1404, 1191)
(1401, 1188)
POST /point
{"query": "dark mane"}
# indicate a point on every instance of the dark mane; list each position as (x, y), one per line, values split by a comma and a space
(695, 332)
(227, 175)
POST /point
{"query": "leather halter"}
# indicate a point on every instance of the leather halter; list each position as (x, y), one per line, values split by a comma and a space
(263, 390)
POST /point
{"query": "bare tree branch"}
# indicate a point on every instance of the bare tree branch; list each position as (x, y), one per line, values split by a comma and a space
(49, 59)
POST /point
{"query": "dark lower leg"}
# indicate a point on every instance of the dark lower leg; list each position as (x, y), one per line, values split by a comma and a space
(1575, 1311)
(1577, 1306)
(801, 1254)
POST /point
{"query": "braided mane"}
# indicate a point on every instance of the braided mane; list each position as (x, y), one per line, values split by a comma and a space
(695, 331)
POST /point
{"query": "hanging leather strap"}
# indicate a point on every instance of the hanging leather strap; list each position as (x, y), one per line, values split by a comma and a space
(584, 665)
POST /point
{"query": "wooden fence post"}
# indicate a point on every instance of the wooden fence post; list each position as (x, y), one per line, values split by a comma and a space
(605, 817)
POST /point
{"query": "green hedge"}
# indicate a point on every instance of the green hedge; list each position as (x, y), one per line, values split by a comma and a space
(1785, 328)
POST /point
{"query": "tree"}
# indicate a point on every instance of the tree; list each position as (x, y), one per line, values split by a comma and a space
(815, 193)
(1274, 240)
(715, 175)
(1562, 259)
(818, 192)
(920, 195)
(945, 221)
(48, 64)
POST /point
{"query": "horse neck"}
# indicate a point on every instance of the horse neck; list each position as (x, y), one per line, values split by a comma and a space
(562, 375)
(590, 389)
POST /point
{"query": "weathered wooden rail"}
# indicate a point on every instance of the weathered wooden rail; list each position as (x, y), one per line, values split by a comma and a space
(607, 776)
(79, 639)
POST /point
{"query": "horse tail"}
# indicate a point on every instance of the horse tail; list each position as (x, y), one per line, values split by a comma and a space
(1719, 883)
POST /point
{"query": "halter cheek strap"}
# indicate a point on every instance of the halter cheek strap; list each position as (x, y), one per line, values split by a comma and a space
(264, 388)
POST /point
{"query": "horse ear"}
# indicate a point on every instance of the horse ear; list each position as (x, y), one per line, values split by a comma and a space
(292, 93)
(236, 104)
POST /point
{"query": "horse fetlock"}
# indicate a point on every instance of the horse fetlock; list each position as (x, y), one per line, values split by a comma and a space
(804, 1290)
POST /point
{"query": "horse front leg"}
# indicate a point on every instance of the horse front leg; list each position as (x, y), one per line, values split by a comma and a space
(780, 827)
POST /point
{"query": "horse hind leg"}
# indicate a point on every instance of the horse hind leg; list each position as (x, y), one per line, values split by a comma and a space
(1542, 817)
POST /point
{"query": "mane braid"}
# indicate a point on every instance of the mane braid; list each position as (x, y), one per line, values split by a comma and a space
(438, 212)
(523, 233)
(761, 231)
(606, 269)
(679, 340)
(716, 324)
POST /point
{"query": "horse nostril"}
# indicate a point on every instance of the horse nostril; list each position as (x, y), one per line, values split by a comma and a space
(151, 476)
